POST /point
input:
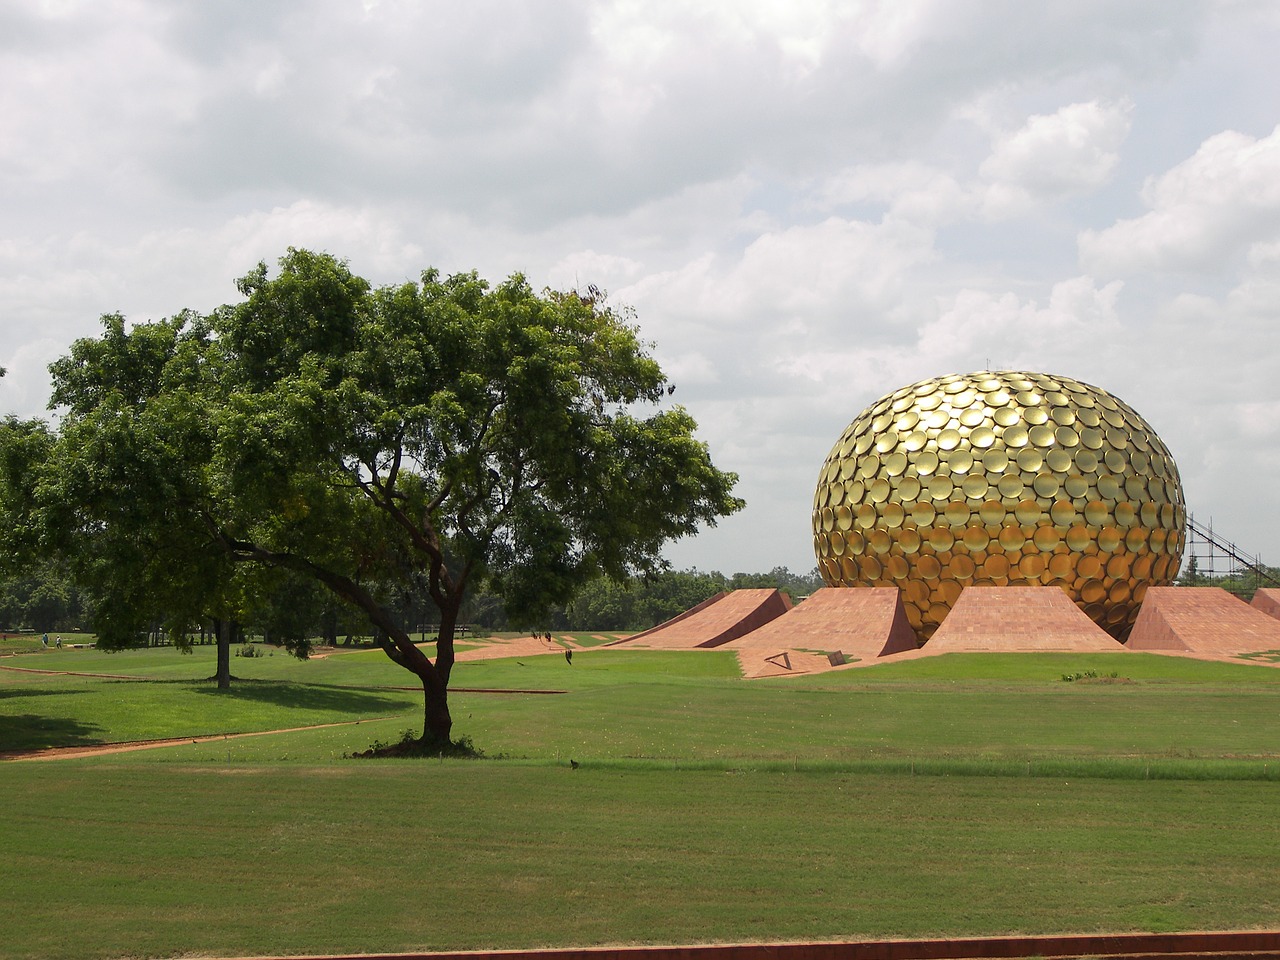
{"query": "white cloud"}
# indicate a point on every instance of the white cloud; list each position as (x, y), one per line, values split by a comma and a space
(588, 267)
(1070, 151)
(1203, 213)
(910, 190)
(24, 390)
(979, 329)
(1024, 335)
(808, 203)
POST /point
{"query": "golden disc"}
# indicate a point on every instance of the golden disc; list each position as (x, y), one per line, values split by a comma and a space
(1047, 538)
(1016, 437)
(1010, 486)
(1064, 513)
(982, 437)
(1041, 436)
(991, 511)
(892, 515)
(1012, 538)
(1028, 512)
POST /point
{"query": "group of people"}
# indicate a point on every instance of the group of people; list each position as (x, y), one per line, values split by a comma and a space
(44, 640)
(546, 635)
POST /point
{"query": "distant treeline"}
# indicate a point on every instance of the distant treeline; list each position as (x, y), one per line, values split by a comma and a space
(1244, 583)
(294, 612)
(44, 600)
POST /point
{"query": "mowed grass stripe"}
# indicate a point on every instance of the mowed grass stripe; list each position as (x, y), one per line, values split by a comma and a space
(692, 706)
(114, 859)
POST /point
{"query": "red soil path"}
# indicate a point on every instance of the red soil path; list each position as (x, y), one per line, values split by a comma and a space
(97, 749)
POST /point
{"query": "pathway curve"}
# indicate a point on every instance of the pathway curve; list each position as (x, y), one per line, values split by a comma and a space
(97, 749)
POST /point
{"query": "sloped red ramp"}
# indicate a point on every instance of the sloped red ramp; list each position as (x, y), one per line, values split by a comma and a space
(861, 623)
(676, 619)
(1205, 620)
(1018, 620)
(1268, 601)
(714, 622)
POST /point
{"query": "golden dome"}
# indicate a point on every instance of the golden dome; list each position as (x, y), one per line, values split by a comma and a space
(1001, 478)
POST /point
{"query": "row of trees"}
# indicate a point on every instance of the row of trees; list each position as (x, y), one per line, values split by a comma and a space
(44, 600)
(607, 605)
(391, 447)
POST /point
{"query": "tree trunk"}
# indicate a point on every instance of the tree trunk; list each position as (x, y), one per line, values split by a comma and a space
(437, 724)
(223, 676)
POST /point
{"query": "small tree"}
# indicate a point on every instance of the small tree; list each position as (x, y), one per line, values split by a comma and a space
(420, 438)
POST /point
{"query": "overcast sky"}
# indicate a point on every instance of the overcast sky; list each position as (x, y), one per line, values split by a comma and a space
(809, 204)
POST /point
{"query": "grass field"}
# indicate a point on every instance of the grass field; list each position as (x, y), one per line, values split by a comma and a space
(966, 794)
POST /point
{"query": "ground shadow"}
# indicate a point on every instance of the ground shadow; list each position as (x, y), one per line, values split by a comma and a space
(29, 731)
(13, 693)
(305, 696)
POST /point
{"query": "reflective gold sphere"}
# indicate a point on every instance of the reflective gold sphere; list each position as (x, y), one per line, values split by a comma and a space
(995, 479)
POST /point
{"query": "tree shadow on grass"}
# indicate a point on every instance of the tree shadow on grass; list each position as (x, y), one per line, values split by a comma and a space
(29, 731)
(13, 693)
(306, 696)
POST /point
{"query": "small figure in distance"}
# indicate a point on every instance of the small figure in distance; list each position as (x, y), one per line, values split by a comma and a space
(59, 643)
(44, 640)
(568, 656)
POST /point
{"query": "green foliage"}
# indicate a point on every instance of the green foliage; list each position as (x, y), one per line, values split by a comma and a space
(25, 446)
(1088, 675)
(42, 599)
(393, 445)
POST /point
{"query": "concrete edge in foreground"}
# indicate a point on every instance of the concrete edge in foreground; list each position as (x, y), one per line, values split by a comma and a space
(1222, 944)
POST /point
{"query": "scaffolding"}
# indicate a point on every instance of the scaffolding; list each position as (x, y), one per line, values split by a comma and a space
(1211, 559)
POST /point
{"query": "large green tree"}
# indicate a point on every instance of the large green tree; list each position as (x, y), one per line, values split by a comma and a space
(383, 442)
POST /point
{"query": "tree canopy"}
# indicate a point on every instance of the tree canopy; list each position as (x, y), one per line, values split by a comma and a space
(412, 439)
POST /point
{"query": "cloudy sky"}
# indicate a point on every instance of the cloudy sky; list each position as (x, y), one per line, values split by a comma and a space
(809, 204)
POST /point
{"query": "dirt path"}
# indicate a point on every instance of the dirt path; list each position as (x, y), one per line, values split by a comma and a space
(97, 749)
(71, 673)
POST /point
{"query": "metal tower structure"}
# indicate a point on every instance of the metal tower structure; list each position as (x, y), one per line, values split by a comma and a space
(1214, 557)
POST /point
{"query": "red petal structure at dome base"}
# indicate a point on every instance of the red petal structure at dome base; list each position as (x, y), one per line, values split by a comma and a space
(1203, 620)
(1018, 620)
(713, 622)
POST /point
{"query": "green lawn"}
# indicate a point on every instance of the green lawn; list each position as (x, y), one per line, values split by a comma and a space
(967, 794)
